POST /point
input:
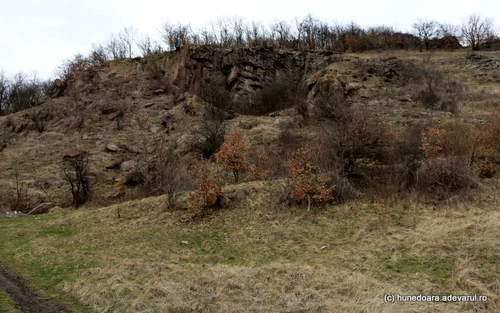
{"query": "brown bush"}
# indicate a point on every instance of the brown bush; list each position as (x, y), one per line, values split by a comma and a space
(233, 154)
(208, 188)
(305, 183)
(489, 138)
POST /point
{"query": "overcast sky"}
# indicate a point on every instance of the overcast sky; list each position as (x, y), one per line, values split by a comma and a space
(37, 35)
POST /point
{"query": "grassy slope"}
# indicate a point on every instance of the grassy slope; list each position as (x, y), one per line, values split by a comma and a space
(258, 258)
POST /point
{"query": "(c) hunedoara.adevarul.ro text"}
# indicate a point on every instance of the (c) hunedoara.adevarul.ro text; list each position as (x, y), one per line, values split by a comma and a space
(392, 298)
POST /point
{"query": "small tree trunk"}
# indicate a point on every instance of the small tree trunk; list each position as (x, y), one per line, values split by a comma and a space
(308, 203)
(236, 176)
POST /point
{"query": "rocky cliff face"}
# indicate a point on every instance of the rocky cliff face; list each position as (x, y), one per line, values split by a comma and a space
(242, 70)
(245, 70)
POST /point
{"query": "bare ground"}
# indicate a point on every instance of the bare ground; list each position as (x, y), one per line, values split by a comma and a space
(26, 300)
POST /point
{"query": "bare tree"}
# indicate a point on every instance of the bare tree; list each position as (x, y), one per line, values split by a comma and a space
(477, 31)
(253, 32)
(175, 36)
(74, 170)
(4, 92)
(127, 37)
(425, 30)
(25, 92)
(238, 30)
(226, 37)
(116, 48)
(148, 46)
(447, 29)
(281, 31)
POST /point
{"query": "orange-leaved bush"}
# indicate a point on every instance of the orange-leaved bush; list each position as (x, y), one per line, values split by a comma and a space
(233, 154)
(208, 187)
(305, 183)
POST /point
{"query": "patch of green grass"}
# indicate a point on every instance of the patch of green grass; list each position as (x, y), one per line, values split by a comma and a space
(35, 249)
(6, 304)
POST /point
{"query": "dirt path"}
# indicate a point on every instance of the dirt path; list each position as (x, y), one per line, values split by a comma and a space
(24, 299)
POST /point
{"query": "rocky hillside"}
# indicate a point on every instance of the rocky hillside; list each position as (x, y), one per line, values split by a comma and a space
(116, 113)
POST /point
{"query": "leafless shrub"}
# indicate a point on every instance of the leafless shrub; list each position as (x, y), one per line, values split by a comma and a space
(23, 92)
(40, 120)
(208, 137)
(408, 156)
(213, 91)
(449, 150)
(446, 176)
(75, 170)
(283, 92)
(434, 89)
(159, 172)
(20, 202)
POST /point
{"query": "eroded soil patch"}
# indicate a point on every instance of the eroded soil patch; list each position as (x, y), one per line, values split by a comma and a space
(26, 300)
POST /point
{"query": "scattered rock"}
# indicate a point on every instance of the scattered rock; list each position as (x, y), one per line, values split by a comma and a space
(111, 147)
(223, 201)
(128, 165)
(159, 91)
(73, 153)
(131, 149)
(116, 165)
(240, 195)
(116, 195)
(115, 115)
(75, 122)
(18, 128)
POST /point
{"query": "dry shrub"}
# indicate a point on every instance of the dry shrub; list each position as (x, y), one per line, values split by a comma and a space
(489, 138)
(159, 172)
(17, 200)
(350, 135)
(449, 149)
(75, 170)
(208, 188)
(40, 120)
(286, 91)
(408, 156)
(208, 137)
(356, 139)
(434, 89)
(213, 91)
(290, 140)
(305, 183)
(233, 154)
(268, 165)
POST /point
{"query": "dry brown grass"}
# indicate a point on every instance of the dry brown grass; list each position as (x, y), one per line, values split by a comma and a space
(258, 257)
